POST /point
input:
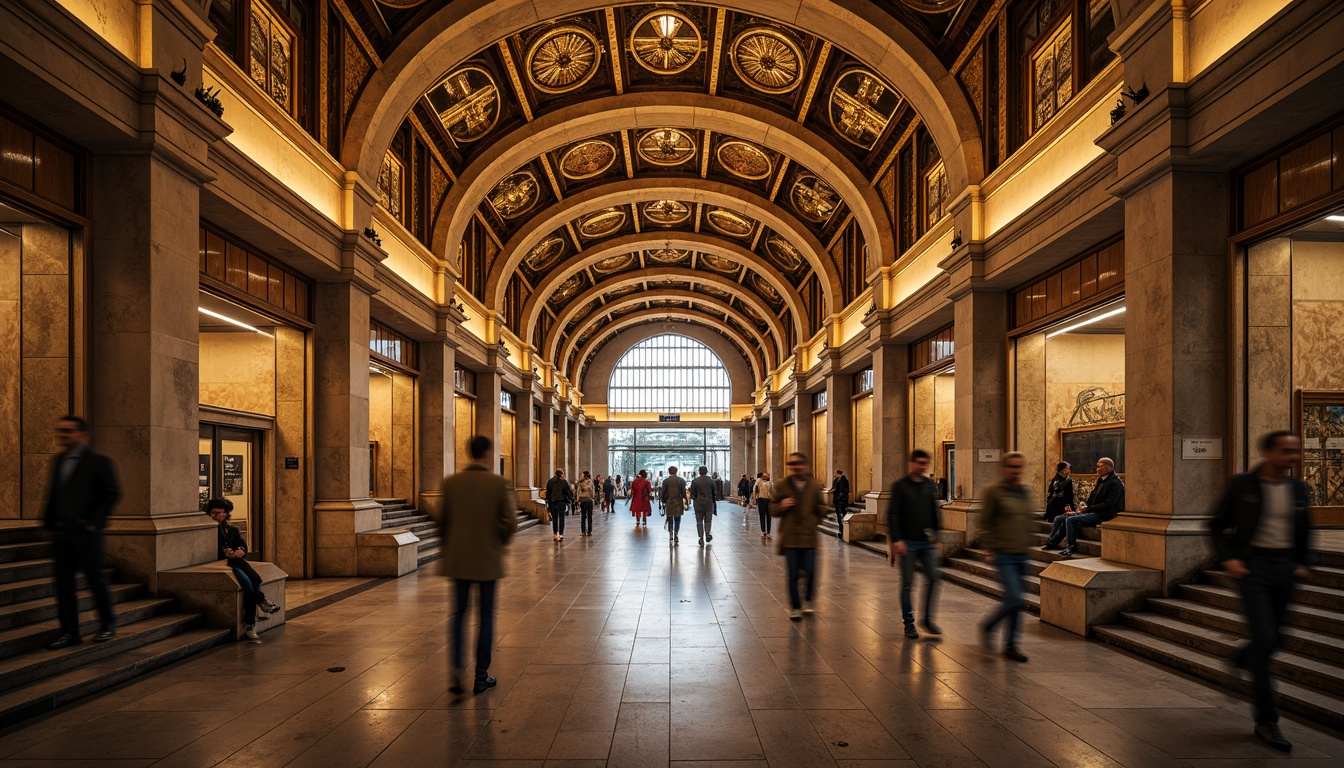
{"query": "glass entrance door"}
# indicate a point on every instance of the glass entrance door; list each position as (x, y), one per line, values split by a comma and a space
(229, 467)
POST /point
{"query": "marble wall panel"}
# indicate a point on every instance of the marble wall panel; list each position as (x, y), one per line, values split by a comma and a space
(464, 428)
(862, 481)
(1271, 257)
(237, 371)
(380, 431)
(46, 388)
(11, 395)
(46, 250)
(404, 434)
(46, 315)
(1318, 271)
(1318, 357)
(1029, 413)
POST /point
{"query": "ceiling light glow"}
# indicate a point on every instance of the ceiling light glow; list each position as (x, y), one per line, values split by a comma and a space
(238, 323)
(1085, 323)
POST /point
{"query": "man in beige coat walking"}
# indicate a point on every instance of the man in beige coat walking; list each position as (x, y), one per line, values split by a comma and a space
(479, 517)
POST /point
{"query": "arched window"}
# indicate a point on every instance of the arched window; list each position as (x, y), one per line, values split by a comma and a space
(669, 374)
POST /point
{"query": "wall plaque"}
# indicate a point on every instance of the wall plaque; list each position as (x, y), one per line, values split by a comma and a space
(291, 462)
(1201, 448)
(667, 417)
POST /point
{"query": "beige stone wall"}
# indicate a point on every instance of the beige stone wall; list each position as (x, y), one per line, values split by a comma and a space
(862, 481)
(35, 360)
(238, 371)
(292, 437)
(933, 401)
(1318, 314)
(465, 427)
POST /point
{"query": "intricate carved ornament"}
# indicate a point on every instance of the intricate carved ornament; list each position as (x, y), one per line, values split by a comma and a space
(766, 290)
(767, 59)
(466, 102)
(563, 59)
(666, 146)
(587, 159)
(813, 198)
(669, 256)
(728, 223)
(614, 263)
(515, 195)
(745, 160)
(545, 253)
(666, 212)
(719, 264)
(567, 289)
(862, 106)
(617, 293)
(665, 42)
(783, 253)
(715, 291)
(602, 223)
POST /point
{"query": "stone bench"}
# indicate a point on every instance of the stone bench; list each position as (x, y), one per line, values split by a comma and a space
(212, 590)
(388, 553)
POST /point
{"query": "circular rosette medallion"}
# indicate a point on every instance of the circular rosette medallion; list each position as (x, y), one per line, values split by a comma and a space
(665, 42)
(813, 198)
(563, 59)
(466, 102)
(666, 212)
(861, 107)
(614, 263)
(766, 290)
(587, 159)
(567, 289)
(666, 146)
(745, 160)
(602, 223)
(767, 59)
(544, 254)
(515, 195)
(783, 253)
(667, 256)
(729, 223)
(719, 264)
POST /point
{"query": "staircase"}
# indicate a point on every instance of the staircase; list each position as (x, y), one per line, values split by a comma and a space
(1196, 630)
(974, 568)
(151, 632)
(398, 514)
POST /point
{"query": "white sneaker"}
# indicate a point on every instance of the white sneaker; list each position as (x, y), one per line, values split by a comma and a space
(795, 614)
(807, 609)
(250, 632)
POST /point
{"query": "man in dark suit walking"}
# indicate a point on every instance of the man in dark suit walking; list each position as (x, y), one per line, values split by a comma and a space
(479, 518)
(83, 491)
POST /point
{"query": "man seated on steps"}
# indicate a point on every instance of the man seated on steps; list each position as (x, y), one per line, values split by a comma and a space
(234, 552)
(1106, 500)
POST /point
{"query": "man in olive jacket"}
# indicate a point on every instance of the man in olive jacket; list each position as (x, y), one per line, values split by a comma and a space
(704, 498)
(479, 518)
(1006, 530)
(797, 504)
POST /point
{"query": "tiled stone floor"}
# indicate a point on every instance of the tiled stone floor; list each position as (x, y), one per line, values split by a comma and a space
(617, 650)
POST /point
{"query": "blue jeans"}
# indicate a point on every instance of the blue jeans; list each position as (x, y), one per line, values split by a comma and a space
(796, 560)
(586, 516)
(485, 630)
(1012, 574)
(841, 509)
(1265, 594)
(1067, 526)
(674, 525)
(558, 520)
(927, 554)
(250, 581)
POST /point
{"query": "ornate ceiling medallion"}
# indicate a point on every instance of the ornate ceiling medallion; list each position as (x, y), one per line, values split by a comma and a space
(563, 59)
(515, 195)
(466, 102)
(567, 289)
(718, 264)
(614, 263)
(729, 223)
(767, 59)
(602, 223)
(544, 254)
(861, 106)
(617, 293)
(665, 42)
(783, 253)
(716, 292)
(764, 288)
(666, 146)
(745, 160)
(813, 198)
(587, 159)
(669, 256)
(665, 213)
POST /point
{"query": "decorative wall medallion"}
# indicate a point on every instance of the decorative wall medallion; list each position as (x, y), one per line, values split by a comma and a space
(813, 198)
(861, 107)
(515, 195)
(567, 289)
(666, 146)
(767, 59)
(665, 42)
(617, 293)
(602, 223)
(544, 254)
(614, 263)
(666, 212)
(784, 254)
(750, 313)
(587, 159)
(563, 59)
(466, 102)
(668, 256)
(729, 223)
(719, 264)
(716, 292)
(745, 160)
(766, 290)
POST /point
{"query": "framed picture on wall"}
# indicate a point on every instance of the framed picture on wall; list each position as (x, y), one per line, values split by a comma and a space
(1319, 419)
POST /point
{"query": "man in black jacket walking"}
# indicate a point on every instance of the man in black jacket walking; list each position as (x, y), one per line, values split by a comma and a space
(558, 496)
(1106, 500)
(913, 522)
(840, 498)
(1261, 529)
(83, 491)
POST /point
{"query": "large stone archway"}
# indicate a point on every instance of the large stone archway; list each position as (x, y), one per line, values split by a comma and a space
(759, 365)
(603, 361)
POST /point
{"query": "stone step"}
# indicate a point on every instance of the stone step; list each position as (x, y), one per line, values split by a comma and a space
(32, 589)
(1305, 594)
(1328, 558)
(33, 636)
(1291, 666)
(97, 675)
(989, 572)
(394, 514)
(24, 570)
(390, 502)
(25, 550)
(1326, 576)
(1318, 706)
(22, 532)
(1316, 645)
(26, 668)
(1038, 560)
(1316, 619)
(989, 586)
(44, 608)
(528, 522)
(426, 556)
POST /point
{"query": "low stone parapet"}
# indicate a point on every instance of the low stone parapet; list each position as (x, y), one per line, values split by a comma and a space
(387, 553)
(1080, 594)
(212, 590)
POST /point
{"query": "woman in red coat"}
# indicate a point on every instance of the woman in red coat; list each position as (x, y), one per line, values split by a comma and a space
(640, 491)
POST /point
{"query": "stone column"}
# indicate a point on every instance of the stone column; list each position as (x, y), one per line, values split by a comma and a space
(737, 455)
(145, 364)
(437, 421)
(776, 442)
(598, 445)
(489, 385)
(802, 427)
(891, 396)
(342, 507)
(564, 457)
(584, 436)
(762, 445)
(546, 437)
(840, 423)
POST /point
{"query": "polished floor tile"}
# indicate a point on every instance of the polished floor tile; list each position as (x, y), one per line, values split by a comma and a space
(621, 650)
